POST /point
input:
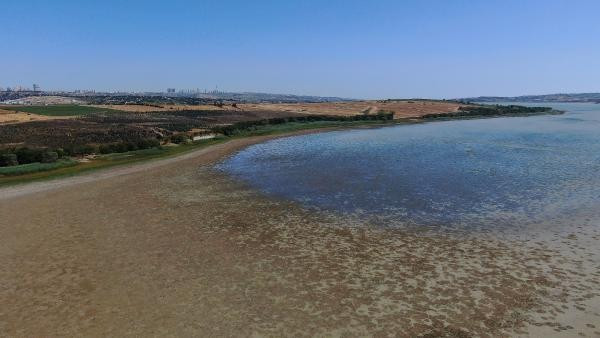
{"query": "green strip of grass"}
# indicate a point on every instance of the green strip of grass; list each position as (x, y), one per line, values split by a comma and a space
(30, 168)
(107, 161)
(274, 129)
(111, 160)
(60, 110)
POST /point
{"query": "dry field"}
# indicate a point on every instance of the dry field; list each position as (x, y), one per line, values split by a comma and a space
(10, 116)
(401, 108)
(173, 248)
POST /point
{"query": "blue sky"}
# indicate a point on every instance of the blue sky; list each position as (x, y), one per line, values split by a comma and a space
(361, 49)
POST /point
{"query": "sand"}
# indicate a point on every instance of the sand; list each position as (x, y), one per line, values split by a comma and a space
(173, 247)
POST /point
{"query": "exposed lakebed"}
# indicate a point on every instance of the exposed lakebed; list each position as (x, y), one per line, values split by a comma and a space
(463, 173)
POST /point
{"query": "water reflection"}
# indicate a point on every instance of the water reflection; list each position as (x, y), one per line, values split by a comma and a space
(501, 171)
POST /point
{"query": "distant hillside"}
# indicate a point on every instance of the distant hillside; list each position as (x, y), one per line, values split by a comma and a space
(581, 97)
(180, 97)
(272, 98)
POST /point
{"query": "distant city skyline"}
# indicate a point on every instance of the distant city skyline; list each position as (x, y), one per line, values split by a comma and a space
(352, 49)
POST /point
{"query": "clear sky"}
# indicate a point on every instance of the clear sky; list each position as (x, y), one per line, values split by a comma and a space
(360, 49)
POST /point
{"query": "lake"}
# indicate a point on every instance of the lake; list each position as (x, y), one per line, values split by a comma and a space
(500, 172)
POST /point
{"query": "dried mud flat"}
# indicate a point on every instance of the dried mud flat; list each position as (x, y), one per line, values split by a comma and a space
(179, 249)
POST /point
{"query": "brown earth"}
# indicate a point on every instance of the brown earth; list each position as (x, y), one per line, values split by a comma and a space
(11, 116)
(401, 108)
(174, 248)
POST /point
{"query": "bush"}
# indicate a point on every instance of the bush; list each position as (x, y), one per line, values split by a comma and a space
(49, 157)
(60, 152)
(148, 143)
(8, 159)
(231, 129)
(26, 155)
(104, 149)
(118, 148)
(179, 138)
(130, 146)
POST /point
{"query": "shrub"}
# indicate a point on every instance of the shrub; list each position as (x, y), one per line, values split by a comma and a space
(130, 146)
(84, 150)
(27, 155)
(118, 148)
(148, 143)
(60, 152)
(179, 138)
(8, 159)
(49, 157)
(104, 149)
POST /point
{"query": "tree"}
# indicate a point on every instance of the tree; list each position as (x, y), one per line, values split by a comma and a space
(8, 160)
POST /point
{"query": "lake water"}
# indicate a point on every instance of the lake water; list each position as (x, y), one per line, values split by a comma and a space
(500, 171)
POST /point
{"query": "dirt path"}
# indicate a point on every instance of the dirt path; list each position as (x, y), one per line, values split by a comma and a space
(174, 248)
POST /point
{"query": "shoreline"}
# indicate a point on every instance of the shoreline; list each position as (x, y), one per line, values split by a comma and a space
(51, 175)
(173, 247)
(225, 149)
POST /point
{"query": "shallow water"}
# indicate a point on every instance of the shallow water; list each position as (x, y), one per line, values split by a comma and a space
(500, 171)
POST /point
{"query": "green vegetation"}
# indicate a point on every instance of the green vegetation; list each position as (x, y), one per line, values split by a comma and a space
(128, 152)
(105, 161)
(25, 155)
(24, 169)
(137, 156)
(60, 110)
(290, 127)
(245, 126)
(491, 111)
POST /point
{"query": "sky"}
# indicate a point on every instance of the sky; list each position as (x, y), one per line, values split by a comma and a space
(355, 49)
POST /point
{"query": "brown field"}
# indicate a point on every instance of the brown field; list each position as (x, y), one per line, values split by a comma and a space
(401, 108)
(174, 248)
(10, 117)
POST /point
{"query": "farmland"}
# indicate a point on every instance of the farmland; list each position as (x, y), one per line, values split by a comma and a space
(401, 108)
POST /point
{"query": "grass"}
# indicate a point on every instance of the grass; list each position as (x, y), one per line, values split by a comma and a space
(116, 159)
(273, 129)
(106, 161)
(60, 110)
(35, 167)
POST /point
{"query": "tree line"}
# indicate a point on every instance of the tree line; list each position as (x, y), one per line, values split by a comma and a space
(234, 128)
(495, 110)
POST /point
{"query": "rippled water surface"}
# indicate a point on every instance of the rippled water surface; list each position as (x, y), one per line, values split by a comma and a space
(499, 171)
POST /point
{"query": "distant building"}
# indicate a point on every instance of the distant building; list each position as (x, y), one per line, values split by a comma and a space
(36, 88)
(170, 90)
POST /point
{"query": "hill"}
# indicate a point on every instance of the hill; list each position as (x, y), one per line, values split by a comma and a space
(578, 97)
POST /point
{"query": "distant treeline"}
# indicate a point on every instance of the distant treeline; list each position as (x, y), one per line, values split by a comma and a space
(249, 125)
(495, 110)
